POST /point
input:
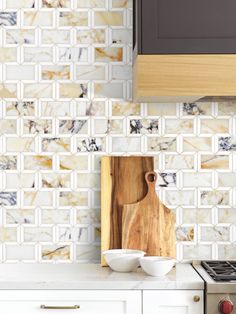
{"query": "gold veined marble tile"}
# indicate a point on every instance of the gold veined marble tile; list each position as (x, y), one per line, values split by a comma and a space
(226, 251)
(38, 162)
(214, 161)
(56, 72)
(13, 4)
(8, 127)
(20, 108)
(42, 126)
(56, 144)
(197, 179)
(88, 180)
(73, 18)
(8, 54)
(91, 36)
(121, 3)
(20, 144)
(91, 72)
(38, 90)
(72, 198)
(20, 180)
(55, 37)
(90, 4)
(179, 126)
(215, 197)
(38, 54)
(20, 36)
(214, 126)
(108, 90)
(226, 215)
(161, 144)
(72, 90)
(226, 179)
(8, 90)
(173, 161)
(185, 233)
(197, 144)
(125, 109)
(38, 18)
(167, 109)
(197, 215)
(197, 252)
(112, 54)
(56, 252)
(215, 233)
(55, 216)
(56, 3)
(37, 198)
(20, 216)
(227, 108)
(8, 234)
(55, 180)
(38, 234)
(108, 18)
(73, 162)
(55, 108)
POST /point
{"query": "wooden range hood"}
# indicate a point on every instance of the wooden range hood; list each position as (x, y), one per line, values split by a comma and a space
(181, 59)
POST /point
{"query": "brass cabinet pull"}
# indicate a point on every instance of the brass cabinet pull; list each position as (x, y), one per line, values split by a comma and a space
(196, 298)
(52, 307)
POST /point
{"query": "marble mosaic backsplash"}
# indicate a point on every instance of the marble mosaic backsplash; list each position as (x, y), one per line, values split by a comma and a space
(66, 101)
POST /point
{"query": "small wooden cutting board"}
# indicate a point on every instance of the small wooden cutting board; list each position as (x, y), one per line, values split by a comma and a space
(149, 225)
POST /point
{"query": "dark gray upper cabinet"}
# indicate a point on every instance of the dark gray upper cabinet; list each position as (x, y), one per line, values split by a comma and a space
(184, 26)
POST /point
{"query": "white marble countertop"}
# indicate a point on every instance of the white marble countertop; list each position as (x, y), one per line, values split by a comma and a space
(91, 276)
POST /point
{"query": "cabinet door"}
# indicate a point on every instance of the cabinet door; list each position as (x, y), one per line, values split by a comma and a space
(173, 302)
(70, 302)
(188, 26)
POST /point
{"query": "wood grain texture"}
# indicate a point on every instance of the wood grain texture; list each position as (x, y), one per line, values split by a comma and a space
(149, 225)
(189, 77)
(122, 181)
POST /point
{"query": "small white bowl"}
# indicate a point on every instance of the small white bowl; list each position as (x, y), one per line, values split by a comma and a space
(157, 266)
(123, 260)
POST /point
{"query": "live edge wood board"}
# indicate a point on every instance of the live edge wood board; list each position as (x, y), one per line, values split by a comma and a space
(166, 78)
(122, 182)
(132, 214)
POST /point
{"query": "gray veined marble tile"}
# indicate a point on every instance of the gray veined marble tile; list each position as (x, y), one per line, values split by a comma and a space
(73, 54)
(20, 108)
(215, 197)
(90, 144)
(185, 233)
(8, 162)
(73, 234)
(8, 198)
(215, 233)
(195, 109)
(138, 126)
(166, 179)
(73, 126)
(20, 216)
(227, 143)
(8, 18)
(197, 252)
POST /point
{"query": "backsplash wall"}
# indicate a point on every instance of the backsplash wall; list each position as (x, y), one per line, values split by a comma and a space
(65, 96)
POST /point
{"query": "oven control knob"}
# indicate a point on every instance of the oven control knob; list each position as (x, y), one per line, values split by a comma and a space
(226, 307)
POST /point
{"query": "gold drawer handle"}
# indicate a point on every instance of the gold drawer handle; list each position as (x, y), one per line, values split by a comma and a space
(47, 307)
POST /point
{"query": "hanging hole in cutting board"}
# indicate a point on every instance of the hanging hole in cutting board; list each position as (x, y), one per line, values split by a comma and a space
(151, 177)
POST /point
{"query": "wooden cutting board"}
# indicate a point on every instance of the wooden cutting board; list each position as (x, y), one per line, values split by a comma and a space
(122, 182)
(149, 225)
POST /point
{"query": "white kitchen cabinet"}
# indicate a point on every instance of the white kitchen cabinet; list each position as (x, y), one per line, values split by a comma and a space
(173, 302)
(71, 302)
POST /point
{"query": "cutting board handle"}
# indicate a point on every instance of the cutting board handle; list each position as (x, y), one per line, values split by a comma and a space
(151, 179)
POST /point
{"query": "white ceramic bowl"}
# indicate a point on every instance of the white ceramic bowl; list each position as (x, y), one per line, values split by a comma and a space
(157, 266)
(123, 260)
